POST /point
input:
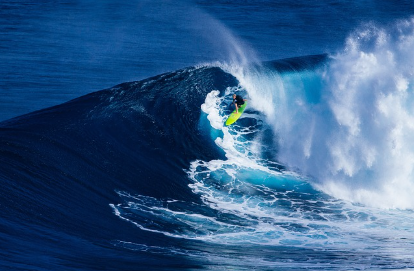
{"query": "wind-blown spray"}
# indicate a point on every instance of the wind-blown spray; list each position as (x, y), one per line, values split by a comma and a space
(370, 96)
(349, 124)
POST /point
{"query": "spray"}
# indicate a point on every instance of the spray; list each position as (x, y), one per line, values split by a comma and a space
(348, 125)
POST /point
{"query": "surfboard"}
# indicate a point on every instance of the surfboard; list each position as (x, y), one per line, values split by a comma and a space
(233, 116)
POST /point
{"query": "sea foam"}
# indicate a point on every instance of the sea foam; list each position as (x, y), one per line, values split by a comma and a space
(349, 125)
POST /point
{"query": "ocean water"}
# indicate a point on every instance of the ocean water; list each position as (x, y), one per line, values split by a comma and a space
(114, 154)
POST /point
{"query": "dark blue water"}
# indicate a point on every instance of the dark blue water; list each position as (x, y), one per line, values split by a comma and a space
(142, 175)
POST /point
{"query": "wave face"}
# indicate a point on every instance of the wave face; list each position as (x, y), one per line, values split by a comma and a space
(144, 176)
(61, 168)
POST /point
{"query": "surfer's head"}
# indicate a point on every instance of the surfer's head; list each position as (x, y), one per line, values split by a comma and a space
(234, 96)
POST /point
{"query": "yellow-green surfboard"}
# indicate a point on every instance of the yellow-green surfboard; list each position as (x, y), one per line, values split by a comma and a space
(233, 116)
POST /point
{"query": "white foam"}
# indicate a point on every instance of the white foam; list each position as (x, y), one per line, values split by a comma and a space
(357, 140)
(232, 186)
(371, 97)
(211, 108)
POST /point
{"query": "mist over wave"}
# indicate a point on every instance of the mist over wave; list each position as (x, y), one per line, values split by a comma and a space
(348, 124)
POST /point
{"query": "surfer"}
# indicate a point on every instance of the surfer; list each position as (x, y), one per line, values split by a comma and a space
(238, 102)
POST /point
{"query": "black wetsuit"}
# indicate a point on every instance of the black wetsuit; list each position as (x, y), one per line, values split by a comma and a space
(239, 100)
